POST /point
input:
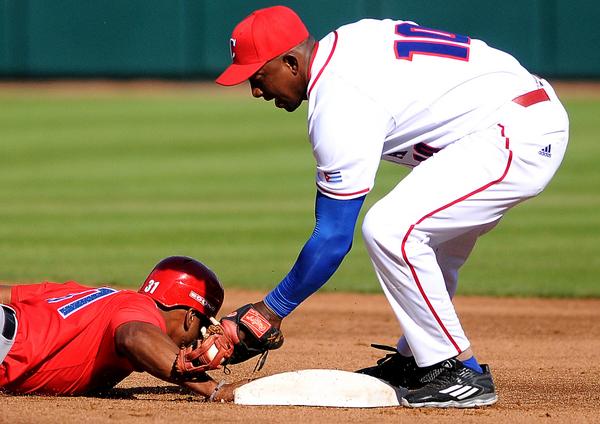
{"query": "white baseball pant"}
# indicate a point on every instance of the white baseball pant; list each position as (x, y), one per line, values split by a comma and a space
(421, 233)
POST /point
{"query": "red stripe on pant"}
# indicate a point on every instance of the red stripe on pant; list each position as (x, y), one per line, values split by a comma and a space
(412, 268)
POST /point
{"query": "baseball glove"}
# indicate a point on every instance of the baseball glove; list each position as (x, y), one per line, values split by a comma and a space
(214, 349)
(252, 334)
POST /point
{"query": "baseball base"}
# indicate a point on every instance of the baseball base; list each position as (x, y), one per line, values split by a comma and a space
(319, 387)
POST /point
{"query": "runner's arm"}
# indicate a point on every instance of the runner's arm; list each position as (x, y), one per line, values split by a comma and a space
(149, 349)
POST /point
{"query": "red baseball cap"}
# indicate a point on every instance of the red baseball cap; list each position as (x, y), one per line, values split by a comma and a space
(260, 37)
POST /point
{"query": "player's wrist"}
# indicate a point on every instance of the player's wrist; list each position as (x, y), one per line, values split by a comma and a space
(213, 395)
(268, 312)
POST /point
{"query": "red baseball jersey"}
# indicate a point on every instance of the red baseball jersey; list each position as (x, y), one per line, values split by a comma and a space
(65, 338)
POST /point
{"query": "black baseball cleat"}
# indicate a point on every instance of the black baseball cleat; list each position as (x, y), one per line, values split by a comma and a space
(396, 369)
(452, 385)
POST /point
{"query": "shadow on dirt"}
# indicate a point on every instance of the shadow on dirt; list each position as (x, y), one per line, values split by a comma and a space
(143, 392)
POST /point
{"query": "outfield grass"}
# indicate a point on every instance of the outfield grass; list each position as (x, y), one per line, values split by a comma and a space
(97, 188)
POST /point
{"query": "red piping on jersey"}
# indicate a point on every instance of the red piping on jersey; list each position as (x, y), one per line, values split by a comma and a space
(312, 59)
(429, 215)
(365, 190)
(335, 34)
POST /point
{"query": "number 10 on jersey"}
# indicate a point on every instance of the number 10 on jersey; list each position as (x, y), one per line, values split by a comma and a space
(430, 42)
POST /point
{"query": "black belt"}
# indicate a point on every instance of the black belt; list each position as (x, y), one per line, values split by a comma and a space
(10, 323)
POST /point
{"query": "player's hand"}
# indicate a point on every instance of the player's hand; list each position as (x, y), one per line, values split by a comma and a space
(225, 392)
(254, 330)
(215, 348)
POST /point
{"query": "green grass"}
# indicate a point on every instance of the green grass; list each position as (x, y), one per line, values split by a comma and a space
(99, 188)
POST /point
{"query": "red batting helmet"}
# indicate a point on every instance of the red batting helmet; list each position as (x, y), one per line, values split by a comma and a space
(183, 281)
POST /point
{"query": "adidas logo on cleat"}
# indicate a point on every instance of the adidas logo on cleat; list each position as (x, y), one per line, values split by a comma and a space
(546, 151)
(459, 391)
(450, 384)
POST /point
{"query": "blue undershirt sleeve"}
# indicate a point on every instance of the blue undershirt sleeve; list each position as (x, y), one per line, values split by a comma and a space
(321, 256)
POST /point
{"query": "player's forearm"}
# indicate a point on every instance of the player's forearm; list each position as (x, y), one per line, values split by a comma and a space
(317, 262)
(5, 294)
(160, 365)
(321, 256)
(150, 350)
(147, 348)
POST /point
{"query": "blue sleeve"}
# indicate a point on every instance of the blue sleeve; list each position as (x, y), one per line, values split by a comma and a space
(321, 256)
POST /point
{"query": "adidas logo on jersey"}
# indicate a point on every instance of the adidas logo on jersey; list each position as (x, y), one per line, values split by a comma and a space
(546, 151)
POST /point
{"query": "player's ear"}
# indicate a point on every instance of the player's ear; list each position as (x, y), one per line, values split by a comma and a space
(188, 321)
(291, 61)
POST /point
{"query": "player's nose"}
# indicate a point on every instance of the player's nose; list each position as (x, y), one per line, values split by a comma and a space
(256, 92)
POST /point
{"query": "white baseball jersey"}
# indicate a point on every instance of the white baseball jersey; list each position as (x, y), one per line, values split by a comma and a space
(484, 132)
(394, 90)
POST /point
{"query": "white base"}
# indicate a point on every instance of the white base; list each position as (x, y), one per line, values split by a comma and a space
(319, 387)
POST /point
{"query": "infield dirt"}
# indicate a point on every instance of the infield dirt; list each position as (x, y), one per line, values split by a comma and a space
(544, 355)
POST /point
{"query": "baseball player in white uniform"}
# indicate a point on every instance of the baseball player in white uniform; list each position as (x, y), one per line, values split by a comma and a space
(480, 133)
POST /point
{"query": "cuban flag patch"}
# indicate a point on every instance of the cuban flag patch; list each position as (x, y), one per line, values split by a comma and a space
(333, 177)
